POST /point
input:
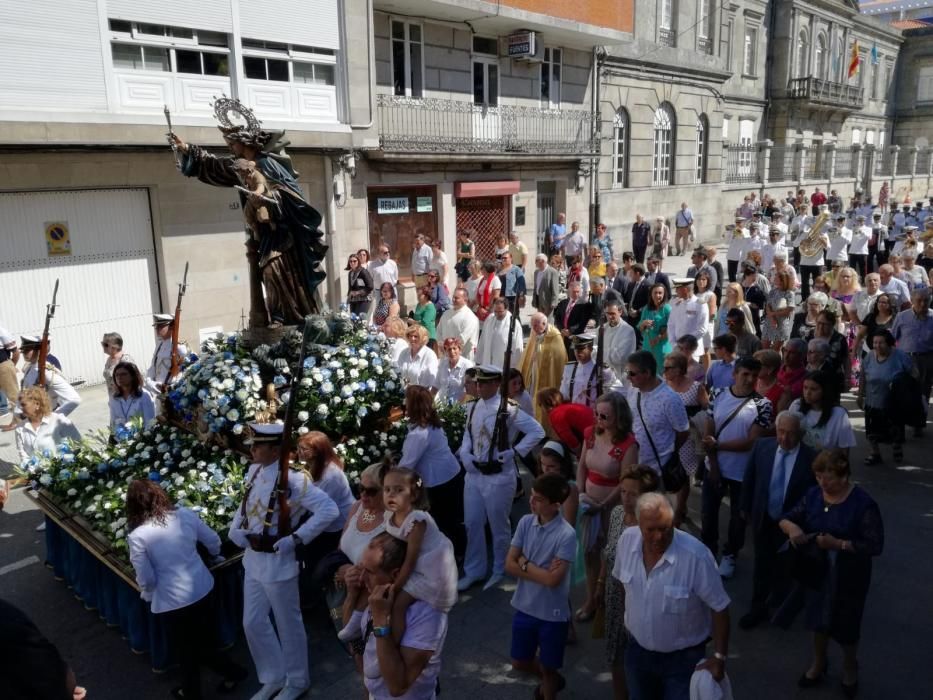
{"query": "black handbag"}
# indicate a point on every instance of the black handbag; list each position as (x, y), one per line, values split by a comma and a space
(673, 474)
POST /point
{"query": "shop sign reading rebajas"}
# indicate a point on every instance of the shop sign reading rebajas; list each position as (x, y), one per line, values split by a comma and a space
(392, 205)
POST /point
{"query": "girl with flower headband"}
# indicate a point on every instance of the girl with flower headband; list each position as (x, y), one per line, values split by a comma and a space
(429, 572)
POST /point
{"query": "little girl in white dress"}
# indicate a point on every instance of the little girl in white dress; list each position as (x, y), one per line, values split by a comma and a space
(429, 572)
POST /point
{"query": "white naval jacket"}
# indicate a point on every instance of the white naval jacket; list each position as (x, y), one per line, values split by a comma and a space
(578, 385)
(162, 363)
(481, 423)
(63, 396)
(303, 497)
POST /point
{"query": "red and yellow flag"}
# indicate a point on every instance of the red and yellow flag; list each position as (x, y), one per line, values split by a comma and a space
(853, 59)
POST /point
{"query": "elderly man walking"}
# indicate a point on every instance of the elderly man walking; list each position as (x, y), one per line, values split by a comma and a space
(674, 602)
(683, 221)
(543, 360)
(460, 322)
(546, 290)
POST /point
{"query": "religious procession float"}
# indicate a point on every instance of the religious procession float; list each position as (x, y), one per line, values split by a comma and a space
(339, 369)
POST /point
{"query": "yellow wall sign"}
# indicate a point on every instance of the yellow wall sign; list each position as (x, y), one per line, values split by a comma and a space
(57, 238)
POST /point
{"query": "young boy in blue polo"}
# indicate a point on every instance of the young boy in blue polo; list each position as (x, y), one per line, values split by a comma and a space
(542, 553)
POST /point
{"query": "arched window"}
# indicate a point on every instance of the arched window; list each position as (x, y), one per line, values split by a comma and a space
(702, 148)
(662, 170)
(820, 62)
(620, 128)
(803, 54)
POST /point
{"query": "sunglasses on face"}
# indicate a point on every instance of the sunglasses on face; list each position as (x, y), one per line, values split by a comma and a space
(602, 416)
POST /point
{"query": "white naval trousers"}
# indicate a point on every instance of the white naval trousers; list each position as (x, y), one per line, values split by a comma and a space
(488, 498)
(281, 658)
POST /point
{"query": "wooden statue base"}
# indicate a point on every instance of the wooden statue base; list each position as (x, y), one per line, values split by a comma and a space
(254, 336)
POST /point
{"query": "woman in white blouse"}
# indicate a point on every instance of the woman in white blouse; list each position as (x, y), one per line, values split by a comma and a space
(317, 453)
(129, 399)
(426, 450)
(825, 423)
(42, 431)
(163, 543)
(452, 371)
(418, 365)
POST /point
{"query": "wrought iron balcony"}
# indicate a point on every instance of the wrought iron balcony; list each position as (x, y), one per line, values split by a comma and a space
(705, 45)
(667, 36)
(432, 125)
(826, 94)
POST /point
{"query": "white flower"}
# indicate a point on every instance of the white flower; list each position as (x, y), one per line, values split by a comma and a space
(72, 492)
(303, 416)
(322, 409)
(303, 430)
(376, 405)
(233, 415)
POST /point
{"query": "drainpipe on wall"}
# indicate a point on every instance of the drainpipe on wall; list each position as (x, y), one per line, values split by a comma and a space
(594, 133)
(330, 261)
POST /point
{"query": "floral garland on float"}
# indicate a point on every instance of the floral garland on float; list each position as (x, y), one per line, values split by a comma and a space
(350, 391)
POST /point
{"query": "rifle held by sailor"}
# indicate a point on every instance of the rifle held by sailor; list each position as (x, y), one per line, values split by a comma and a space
(44, 346)
(173, 368)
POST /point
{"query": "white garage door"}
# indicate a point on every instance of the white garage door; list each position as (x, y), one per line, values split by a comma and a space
(108, 282)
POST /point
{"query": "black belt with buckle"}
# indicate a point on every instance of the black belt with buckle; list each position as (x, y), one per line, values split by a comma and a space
(488, 468)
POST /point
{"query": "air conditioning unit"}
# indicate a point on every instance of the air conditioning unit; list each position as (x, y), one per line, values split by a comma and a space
(524, 46)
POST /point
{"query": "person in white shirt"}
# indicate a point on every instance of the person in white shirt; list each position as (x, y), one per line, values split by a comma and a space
(383, 268)
(161, 364)
(422, 258)
(689, 315)
(674, 602)
(891, 285)
(811, 266)
(439, 261)
(619, 338)
(659, 419)
(777, 222)
(490, 476)
(9, 356)
(768, 251)
(580, 381)
(396, 331)
(280, 653)
(451, 372)
(64, 399)
(737, 416)
(418, 364)
(427, 452)
(43, 431)
(461, 323)
(574, 243)
(797, 226)
(494, 338)
(163, 542)
(858, 249)
(737, 236)
(316, 452)
(839, 239)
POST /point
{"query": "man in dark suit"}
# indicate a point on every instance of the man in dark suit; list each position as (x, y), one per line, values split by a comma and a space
(655, 276)
(572, 315)
(600, 295)
(777, 477)
(547, 286)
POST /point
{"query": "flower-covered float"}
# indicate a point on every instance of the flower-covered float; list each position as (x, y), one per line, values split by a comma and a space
(196, 452)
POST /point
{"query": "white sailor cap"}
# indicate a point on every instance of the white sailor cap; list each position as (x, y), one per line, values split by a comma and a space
(488, 373)
(908, 229)
(265, 433)
(583, 340)
(860, 217)
(682, 281)
(840, 217)
(162, 319)
(26, 341)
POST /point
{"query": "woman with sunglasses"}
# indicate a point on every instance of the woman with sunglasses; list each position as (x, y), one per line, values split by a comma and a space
(418, 365)
(359, 286)
(366, 520)
(363, 255)
(439, 295)
(387, 306)
(112, 345)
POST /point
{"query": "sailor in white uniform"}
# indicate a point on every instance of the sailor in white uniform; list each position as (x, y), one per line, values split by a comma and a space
(581, 378)
(162, 357)
(271, 582)
(689, 315)
(62, 395)
(490, 476)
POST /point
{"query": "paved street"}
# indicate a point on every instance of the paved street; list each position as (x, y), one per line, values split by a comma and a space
(764, 664)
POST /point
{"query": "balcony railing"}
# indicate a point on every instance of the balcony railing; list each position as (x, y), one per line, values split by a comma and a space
(741, 163)
(432, 125)
(826, 93)
(705, 45)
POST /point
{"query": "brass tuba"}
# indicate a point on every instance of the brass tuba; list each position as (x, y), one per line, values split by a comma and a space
(813, 243)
